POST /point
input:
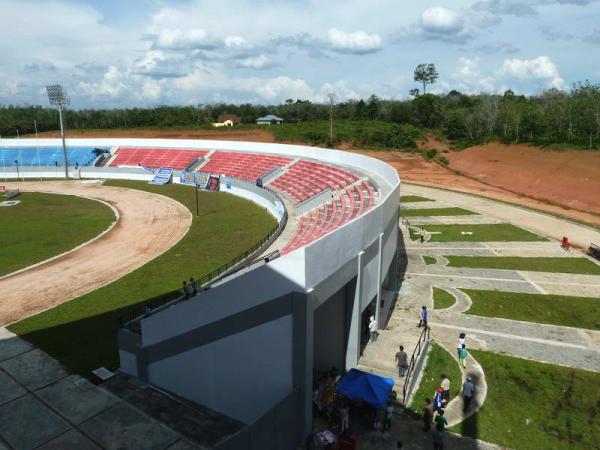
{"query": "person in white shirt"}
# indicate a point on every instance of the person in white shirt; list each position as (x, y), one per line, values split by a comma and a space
(373, 328)
(461, 341)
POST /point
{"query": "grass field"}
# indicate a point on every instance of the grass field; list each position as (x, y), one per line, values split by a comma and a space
(413, 198)
(429, 260)
(82, 333)
(502, 232)
(439, 362)
(423, 212)
(442, 298)
(532, 405)
(580, 312)
(46, 225)
(534, 264)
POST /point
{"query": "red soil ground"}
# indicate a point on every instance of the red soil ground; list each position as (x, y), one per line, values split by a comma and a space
(561, 182)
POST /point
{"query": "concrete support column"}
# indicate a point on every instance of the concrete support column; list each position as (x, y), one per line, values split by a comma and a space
(379, 280)
(302, 370)
(353, 348)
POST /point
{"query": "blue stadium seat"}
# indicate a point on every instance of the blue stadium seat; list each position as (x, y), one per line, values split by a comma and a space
(47, 156)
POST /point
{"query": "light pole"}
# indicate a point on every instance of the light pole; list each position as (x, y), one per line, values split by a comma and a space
(18, 174)
(59, 98)
(332, 99)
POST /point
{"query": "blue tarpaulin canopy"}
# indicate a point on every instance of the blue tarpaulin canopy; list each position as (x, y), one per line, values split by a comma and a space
(371, 388)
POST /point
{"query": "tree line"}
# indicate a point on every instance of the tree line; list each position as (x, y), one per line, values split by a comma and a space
(553, 117)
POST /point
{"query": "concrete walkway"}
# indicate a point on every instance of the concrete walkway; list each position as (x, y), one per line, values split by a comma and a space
(536, 222)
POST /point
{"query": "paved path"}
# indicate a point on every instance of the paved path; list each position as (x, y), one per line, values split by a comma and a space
(42, 406)
(148, 226)
(540, 223)
(547, 343)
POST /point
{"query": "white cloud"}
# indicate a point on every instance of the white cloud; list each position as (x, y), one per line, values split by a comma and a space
(540, 68)
(157, 64)
(255, 62)
(177, 39)
(469, 77)
(441, 20)
(237, 42)
(356, 42)
(442, 24)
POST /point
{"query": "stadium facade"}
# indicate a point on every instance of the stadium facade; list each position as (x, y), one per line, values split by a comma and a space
(249, 346)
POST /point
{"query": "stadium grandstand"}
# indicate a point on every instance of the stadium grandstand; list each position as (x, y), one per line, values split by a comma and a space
(156, 158)
(294, 307)
(49, 156)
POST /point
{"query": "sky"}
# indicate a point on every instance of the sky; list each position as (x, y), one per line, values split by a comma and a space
(116, 53)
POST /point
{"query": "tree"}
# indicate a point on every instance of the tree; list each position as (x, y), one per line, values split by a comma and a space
(426, 74)
(373, 106)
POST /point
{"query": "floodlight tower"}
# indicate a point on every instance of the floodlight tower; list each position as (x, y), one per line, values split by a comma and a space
(59, 98)
(332, 100)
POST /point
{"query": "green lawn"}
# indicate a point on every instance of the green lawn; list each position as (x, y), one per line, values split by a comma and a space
(534, 264)
(423, 212)
(413, 198)
(532, 405)
(580, 312)
(429, 260)
(439, 362)
(82, 333)
(502, 232)
(442, 298)
(46, 225)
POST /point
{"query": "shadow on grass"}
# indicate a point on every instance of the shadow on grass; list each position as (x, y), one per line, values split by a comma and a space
(86, 344)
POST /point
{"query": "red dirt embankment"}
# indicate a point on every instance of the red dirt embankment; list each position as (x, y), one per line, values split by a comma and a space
(570, 177)
(218, 134)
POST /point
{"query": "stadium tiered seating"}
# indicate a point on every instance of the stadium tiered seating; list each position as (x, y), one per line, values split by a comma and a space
(156, 157)
(46, 156)
(355, 200)
(248, 166)
(306, 179)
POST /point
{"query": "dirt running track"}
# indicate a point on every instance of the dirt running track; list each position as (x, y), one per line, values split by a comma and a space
(148, 226)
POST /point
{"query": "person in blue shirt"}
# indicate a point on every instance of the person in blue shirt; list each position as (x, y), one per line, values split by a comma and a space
(423, 317)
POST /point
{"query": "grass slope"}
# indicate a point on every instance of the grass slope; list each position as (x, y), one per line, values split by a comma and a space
(442, 298)
(413, 198)
(82, 333)
(532, 405)
(46, 225)
(502, 232)
(438, 362)
(580, 312)
(423, 212)
(534, 264)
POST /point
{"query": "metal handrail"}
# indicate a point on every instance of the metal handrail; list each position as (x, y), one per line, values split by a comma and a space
(413, 361)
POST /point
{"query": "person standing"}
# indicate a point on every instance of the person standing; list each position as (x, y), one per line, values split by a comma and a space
(187, 291)
(461, 341)
(194, 285)
(422, 235)
(438, 401)
(387, 422)
(427, 415)
(401, 361)
(344, 417)
(445, 384)
(462, 356)
(468, 389)
(423, 320)
(373, 328)
(439, 431)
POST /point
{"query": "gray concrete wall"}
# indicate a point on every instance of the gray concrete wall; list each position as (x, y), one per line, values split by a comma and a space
(331, 328)
(242, 375)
